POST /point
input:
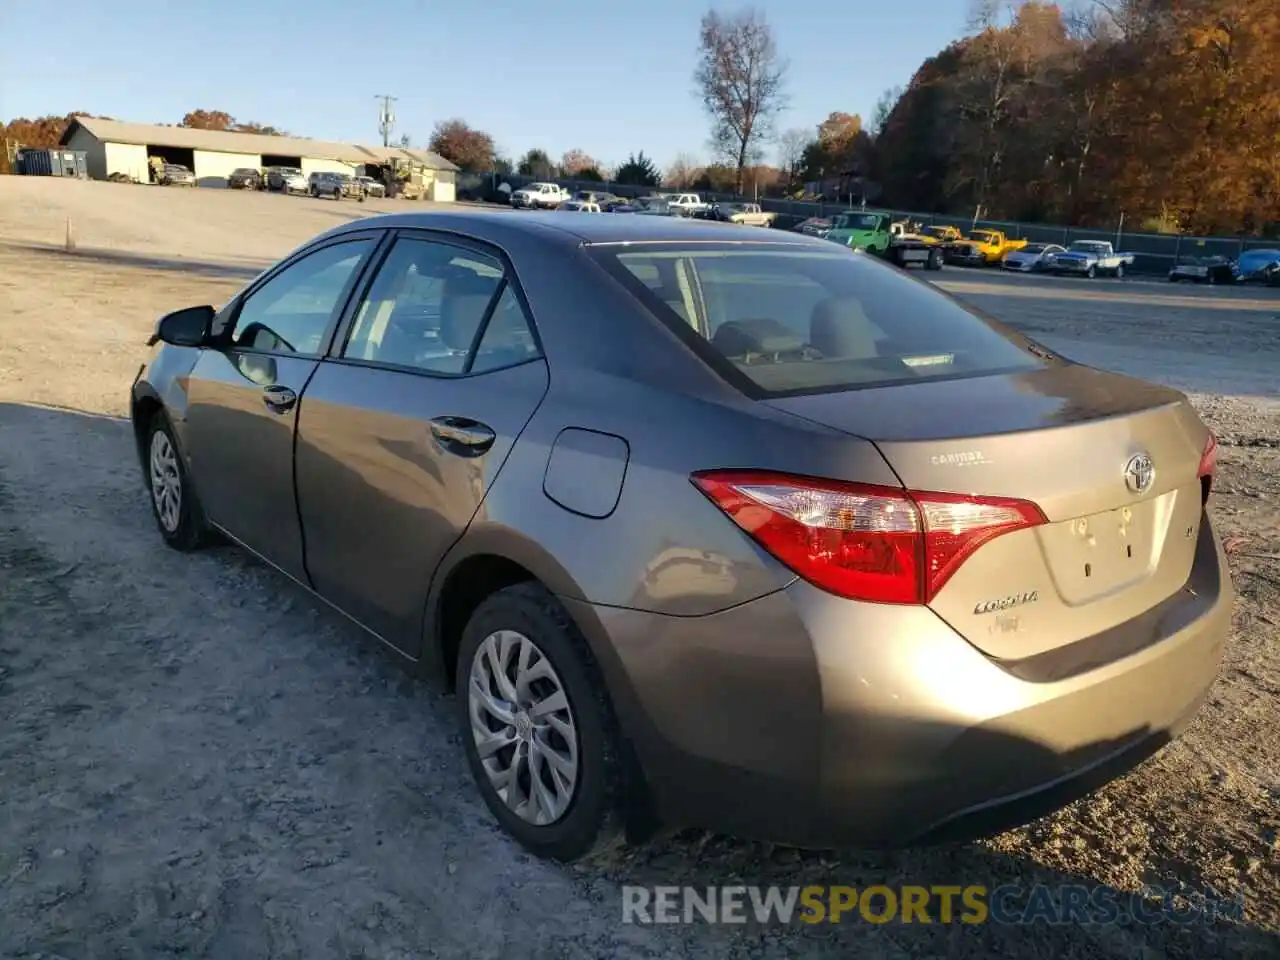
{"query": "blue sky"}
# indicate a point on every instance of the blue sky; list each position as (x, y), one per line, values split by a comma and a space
(556, 74)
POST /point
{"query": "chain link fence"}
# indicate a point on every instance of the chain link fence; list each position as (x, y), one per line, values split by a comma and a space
(1154, 253)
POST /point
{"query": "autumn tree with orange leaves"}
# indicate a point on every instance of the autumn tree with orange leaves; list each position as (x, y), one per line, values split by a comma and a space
(1142, 107)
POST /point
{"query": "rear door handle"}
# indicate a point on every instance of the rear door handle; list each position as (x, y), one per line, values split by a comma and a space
(279, 399)
(461, 435)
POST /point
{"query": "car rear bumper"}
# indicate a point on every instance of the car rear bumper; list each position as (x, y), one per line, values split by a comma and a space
(796, 720)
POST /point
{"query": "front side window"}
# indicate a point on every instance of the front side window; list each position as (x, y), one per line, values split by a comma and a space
(291, 312)
(427, 305)
(858, 221)
(781, 321)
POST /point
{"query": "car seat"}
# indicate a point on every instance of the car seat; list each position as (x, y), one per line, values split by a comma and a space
(839, 328)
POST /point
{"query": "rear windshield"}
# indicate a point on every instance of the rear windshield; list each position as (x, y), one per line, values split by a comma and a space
(781, 321)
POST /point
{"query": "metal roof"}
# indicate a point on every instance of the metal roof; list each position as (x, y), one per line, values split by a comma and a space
(225, 141)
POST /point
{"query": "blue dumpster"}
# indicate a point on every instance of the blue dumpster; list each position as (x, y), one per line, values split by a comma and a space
(53, 162)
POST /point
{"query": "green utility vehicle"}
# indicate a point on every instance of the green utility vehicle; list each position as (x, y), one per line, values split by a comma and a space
(879, 235)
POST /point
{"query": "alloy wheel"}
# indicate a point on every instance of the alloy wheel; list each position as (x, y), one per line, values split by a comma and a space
(523, 727)
(166, 481)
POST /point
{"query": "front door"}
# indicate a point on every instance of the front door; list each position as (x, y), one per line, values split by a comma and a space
(403, 429)
(243, 398)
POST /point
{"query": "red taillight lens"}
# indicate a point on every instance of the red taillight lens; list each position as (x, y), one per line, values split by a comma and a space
(864, 542)
(1208, 464)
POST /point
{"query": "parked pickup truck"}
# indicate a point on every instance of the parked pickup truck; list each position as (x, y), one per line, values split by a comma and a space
(993, 245)
(940, 234)
(878, 234)
(686, 203)
(745, 214)
(540, 196)
(1088, 258)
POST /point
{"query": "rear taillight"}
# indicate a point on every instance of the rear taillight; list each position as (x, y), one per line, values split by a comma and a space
(1208, 464)
(864, 542)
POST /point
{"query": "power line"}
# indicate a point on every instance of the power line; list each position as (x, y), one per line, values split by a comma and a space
(386, 117)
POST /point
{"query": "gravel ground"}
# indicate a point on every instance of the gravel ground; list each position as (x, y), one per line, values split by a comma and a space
(197, 759)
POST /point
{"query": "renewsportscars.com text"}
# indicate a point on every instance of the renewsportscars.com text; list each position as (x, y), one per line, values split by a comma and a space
(945, 904)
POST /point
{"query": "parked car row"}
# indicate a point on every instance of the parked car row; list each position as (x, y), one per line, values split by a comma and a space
(290, 180)
(551, 196)
(1252, 266)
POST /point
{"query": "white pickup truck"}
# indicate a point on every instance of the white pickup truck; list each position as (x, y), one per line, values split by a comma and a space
(685, 202)
(1088, 258)
(544, 196)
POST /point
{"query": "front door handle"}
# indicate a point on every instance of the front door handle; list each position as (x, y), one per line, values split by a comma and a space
(279, 399)
(461, 435)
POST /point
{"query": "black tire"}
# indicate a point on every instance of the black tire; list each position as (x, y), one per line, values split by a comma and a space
(593, 822)
(935, 261)
(191, 532)
(1091, 272)
(1120, 272)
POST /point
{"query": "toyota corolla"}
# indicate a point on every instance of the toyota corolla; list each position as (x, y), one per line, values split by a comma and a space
(705, 524)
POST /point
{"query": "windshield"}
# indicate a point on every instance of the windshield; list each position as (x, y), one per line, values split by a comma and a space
(858, 221)
(1034, 248)
(778, 320)
(984, 236)
(1088, 246)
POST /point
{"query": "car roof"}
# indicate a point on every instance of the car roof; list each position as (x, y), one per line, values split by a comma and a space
(572, 230)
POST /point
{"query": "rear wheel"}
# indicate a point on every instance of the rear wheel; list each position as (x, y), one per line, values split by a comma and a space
(935, 260)
(1091, 272)
(538, 726)
(1120, 272)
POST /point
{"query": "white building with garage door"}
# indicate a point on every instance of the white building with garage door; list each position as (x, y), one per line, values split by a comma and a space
(114, 147)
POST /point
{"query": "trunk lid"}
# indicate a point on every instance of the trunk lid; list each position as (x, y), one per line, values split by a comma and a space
(1064, 439)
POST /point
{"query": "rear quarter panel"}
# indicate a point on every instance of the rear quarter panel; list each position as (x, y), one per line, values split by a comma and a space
(665, 548)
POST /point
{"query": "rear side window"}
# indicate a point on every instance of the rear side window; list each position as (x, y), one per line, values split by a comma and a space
(782, 321)
(428, 304)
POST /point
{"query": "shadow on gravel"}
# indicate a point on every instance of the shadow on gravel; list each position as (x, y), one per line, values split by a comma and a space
(226, 270)
(317, 744)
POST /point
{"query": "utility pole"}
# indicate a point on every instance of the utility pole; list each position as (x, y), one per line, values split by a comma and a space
(386, 117)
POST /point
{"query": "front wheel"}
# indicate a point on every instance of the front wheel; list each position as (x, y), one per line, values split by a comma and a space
(174, 504)
(538, 727)
(1091, 272)
(935, 261)
(1120, 272)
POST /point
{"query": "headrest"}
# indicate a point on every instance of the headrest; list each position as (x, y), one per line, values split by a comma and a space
(839, 327)
(738, 338)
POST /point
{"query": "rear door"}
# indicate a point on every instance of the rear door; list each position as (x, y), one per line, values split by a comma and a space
(406, 423)
(242, 397)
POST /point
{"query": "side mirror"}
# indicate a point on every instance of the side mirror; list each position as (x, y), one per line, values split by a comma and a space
(185, 328)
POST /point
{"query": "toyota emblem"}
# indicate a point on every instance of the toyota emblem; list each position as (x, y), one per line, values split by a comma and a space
(1139, 473)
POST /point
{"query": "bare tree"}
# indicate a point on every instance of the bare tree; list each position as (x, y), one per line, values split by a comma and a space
(791, 146)
(741, 80)
(683, 171)
(884, 107)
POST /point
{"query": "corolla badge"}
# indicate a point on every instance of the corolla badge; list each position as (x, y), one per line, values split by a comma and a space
(1139, 473)
(1006, 603)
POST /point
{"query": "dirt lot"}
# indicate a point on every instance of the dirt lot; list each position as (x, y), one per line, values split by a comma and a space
(197, 759)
